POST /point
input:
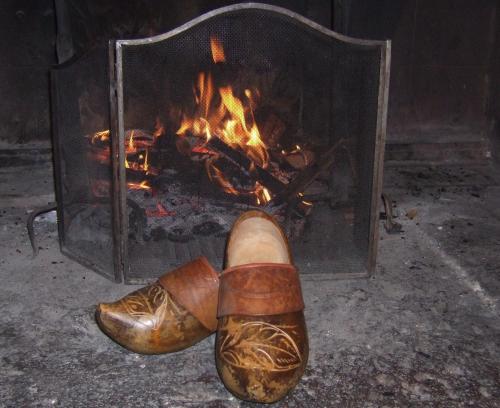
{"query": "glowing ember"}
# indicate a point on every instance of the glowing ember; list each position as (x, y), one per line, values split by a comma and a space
(202, 150)
(159, 212)
(143, 185)
(100, 136)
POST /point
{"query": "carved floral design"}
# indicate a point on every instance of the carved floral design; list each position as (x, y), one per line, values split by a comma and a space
(260, 345)
(150, 306)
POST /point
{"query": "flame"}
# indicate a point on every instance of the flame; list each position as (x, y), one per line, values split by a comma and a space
(101, 136)
(146, 164)
(206, 88)
(159, 128)
(262, 194)
(267, 195)
(217, 50)
(137, 153)
(143, 185)
(131, 146)
(221, 113)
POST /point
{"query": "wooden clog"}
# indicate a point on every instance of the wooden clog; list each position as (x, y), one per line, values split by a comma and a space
(262, 344)
(172, 314)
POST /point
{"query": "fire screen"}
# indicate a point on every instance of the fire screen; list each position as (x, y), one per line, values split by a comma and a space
(249, 106)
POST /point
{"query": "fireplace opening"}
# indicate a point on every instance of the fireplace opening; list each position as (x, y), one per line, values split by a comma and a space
(162, 142)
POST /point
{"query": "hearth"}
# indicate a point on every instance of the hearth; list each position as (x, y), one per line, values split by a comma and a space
(160, 143)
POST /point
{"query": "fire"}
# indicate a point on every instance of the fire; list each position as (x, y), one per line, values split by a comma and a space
(145, 166)
(131, 147)
(262, 194)
(101, 136)
(137, 153)
(159, 129)
(215, 175)
(160, 211)
(217, 50)
(221, 113)
(143, 185)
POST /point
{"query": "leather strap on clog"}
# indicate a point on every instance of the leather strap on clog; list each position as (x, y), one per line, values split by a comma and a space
(195, 286)
(260, 289)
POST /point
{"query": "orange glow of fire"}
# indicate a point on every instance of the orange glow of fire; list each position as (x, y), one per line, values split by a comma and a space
(143, 185)
(101, 136)
(159, 212)
(216, 176)
(131, 146)
(146, 164)
(140, 160)
(202, 150)
(159, 129)
(220, 113)
(217, 50)
(262, 194)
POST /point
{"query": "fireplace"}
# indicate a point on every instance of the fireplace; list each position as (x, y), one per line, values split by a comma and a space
(160, 143)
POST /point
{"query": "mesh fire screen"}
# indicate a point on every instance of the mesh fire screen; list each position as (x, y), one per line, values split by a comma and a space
(249, 106)
(80, 99)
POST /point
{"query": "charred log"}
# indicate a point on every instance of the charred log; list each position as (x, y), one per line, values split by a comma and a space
(308, 175)
(246, 165)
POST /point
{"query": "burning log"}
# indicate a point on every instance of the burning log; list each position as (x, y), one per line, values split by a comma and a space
(308, 175)
(299, 159)
(246, 165)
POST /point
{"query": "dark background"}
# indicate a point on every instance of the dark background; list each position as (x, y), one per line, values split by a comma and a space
(445, 82)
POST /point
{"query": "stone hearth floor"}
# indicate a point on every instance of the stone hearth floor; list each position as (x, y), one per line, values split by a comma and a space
(424, 331)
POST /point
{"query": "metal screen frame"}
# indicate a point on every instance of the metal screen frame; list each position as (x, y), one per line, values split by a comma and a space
(116, 274)
(120, 221)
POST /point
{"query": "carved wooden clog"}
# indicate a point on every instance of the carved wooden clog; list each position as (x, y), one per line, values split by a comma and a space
(174, 313)
(262, 345)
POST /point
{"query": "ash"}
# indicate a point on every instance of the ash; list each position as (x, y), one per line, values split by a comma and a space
(423, 332)
(178, 211)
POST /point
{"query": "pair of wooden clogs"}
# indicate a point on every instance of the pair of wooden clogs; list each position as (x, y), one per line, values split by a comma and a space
(255, 306)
